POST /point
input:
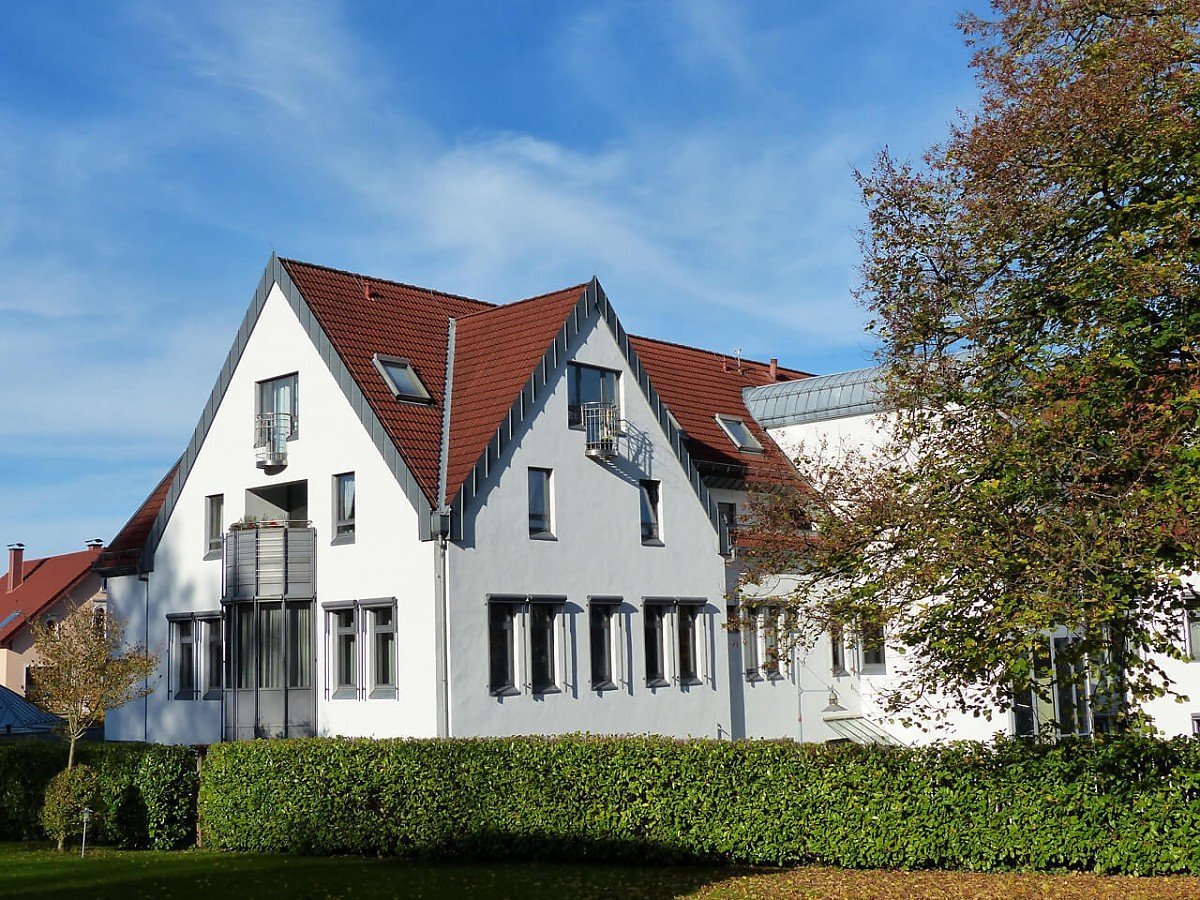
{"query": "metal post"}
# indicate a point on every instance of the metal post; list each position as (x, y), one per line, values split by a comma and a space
(87, 815)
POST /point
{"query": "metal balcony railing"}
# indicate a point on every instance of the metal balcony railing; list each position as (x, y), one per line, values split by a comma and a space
(271, 433)
(601, 428)
(270, 559)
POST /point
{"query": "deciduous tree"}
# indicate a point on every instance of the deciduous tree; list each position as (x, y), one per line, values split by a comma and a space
(85, 669)
(1034, 284)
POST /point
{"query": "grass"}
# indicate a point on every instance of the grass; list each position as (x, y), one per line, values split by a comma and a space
(35, 870)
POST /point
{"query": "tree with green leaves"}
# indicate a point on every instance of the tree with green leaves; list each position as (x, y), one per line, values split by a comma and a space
(1034, 285)
(85, 669)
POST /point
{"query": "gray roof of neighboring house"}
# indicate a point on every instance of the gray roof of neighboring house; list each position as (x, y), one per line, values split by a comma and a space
(19, 716)
(817, 399)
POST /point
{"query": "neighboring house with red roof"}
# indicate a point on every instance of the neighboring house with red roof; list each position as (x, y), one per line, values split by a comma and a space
(40, 589)
(405, 512)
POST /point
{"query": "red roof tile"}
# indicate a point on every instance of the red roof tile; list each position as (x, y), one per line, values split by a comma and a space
(45, 581)
(125, 549)
(697, 385)
(396, 320)
(495, 352)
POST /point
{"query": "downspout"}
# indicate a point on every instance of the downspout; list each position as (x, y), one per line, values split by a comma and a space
(441, 531)
(145, 579)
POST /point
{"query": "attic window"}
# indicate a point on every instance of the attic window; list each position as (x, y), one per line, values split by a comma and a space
(740, 434)
(400, 377)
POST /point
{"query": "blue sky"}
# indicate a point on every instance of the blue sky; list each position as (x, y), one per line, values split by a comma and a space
(697, 157)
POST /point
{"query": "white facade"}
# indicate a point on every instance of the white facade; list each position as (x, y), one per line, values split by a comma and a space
(595, 557)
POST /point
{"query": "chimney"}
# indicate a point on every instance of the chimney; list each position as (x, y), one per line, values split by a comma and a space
(16, 566)
(773, 369)
(95, 545)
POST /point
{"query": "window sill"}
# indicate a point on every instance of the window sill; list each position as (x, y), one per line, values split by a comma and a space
(507, 691)
(603, 686)
(652, 542)
(775, 676)
(212, 554)
(542, 536)
(693, 681)
(342, 539)
(388, 692)
(212, 695)
(546, 689)
(184, 695)
(754, 676)
(839, 673)
(873, 670)
(345, 693)
(657, 683)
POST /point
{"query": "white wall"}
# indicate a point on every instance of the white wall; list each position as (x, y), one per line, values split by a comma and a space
(387, 559)
(598, 551)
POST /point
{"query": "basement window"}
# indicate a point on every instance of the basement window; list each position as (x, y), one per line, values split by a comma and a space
(401, 378)
(739, 433)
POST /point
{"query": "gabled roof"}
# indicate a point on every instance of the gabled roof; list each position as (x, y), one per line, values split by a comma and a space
(699, 385)
(45, 581)
(493, 361)
(818, 399)
(495, 352)
(19, 716)
(363, 316)
(123, 555)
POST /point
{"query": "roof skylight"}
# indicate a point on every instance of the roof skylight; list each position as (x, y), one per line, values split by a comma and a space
(740, 434)
(401, 379)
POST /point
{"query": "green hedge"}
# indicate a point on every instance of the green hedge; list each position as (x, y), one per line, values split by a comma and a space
(148, 791)
(1127, 805)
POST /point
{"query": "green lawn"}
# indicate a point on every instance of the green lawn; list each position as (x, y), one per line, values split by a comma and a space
(34, 870)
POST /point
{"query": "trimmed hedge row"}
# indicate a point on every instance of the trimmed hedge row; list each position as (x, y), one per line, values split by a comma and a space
(1116, 806)
(148, 791)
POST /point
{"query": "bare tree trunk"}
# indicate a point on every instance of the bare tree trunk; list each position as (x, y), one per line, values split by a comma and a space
(71, 753)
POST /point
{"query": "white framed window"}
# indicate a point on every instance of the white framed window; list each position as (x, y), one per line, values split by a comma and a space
(649, 493)
(526, 645)
(727, 516)
(401, 378)
(604, 635)
(837, 649)
(763, 655)
(361, 640)
(276, 398)
(751, 651)
(590, 384)
(873, 649)
(675, 641)
(195, 665)
(214, 525)
(383, 650)
(541, 504)
(343, 508)
(1193, 634)
(739, 433)
(183, 658)
(1196, 725)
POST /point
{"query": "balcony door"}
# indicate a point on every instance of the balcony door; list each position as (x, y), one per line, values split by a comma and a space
(271, 657)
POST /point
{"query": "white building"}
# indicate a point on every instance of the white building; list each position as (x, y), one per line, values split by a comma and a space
(844, 411)
(409, 513)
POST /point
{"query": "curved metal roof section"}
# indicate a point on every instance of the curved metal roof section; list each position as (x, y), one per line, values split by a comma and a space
(856, 393)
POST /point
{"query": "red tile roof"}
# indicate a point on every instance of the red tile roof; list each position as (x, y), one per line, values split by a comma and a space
(697, 385)
(363, 316)
(45, 581)
(495, 352)
(125, 550)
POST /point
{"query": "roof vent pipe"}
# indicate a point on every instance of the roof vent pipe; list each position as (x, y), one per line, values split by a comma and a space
(95, 545)
(16, 566)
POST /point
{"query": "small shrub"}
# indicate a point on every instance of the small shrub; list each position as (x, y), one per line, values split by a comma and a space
(68, 794)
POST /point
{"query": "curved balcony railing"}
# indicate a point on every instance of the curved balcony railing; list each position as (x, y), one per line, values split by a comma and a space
(271, 433)
(601, 428)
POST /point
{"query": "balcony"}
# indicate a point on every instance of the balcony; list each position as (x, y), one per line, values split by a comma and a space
(270, 559)
(601, 428)
(271, 434)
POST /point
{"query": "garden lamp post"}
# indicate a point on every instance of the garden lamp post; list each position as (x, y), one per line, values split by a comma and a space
(87, 817)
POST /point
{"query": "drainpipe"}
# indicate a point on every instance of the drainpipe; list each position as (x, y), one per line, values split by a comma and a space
(145, 579)
(441, 615)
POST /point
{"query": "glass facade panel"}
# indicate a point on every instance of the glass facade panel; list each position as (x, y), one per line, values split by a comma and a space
(299, 645)
(270, 646)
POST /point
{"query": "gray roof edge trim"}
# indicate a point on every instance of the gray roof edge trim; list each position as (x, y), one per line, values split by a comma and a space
(516, 416)
(848, 411)
(275, 275)
(675, 437)
(447, 399)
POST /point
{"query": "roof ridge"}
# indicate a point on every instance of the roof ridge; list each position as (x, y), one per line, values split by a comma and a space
(501, 306)
(717, 353)
(393, 282)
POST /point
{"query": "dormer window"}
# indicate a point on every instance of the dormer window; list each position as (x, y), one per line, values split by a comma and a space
(739, 433)
(401, 378)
